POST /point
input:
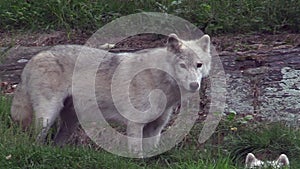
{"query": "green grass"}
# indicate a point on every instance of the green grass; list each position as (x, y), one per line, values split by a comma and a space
(268, 140)
(225, 150)
(211, 16)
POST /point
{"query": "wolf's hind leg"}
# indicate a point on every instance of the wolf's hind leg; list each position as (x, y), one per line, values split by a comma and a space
(21, 109)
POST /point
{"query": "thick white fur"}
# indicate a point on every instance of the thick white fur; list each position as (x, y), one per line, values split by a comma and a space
(253, 162)
(45, 92)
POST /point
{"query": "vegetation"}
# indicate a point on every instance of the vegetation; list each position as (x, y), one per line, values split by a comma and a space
(212, 16)
(235, 136)
(225, 150)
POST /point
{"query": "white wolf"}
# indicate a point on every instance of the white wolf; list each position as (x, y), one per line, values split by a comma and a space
(46, 86)
(253, 162)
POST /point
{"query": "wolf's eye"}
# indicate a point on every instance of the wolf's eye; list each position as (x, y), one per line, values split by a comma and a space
(199, 65)
(182, 65)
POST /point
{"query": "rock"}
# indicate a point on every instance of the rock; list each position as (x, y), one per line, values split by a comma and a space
(267, 84)
(15, 60)
(22, 60)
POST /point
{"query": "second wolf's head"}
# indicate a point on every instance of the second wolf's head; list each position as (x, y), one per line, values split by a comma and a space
(253, 162)
(191, 62)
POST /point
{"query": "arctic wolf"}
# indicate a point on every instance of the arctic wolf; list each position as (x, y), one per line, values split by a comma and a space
(45, 92)
(253, 162)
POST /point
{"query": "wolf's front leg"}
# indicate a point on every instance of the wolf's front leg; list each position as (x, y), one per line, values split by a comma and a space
(152, 131)
(46, 112)
(69, 122)
(135, 138)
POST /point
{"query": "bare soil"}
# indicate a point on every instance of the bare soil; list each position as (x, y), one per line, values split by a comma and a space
(231, 42)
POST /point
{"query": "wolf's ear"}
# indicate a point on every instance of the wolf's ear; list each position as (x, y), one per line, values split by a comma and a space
(174, 43)
(250, 159)
(204, 43)
(283, 160)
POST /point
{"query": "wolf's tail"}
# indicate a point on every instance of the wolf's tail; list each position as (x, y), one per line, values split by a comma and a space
(21, 109)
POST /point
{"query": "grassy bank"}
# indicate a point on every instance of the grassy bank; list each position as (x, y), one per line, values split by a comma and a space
(211, 16)
(225, 150)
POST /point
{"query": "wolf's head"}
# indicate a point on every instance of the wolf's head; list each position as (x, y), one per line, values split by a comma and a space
(253, 162)
(191, 60)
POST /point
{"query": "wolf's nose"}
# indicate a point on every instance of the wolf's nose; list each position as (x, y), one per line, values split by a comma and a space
(194, 85)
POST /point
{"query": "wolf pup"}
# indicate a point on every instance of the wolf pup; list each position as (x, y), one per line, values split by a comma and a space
(45, 92)
(253, 162)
